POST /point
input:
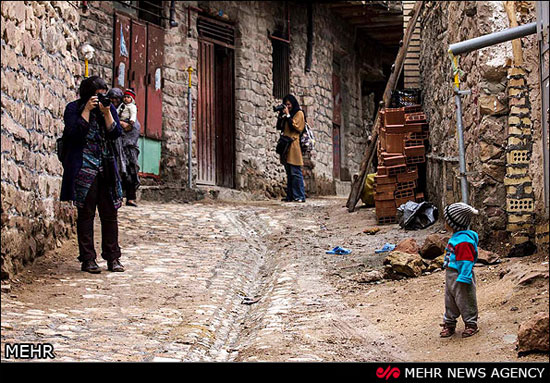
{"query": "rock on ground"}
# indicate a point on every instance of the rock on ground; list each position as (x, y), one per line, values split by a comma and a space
(410, 265)
(434, 246)
(533, 334)
(487, 257)
(408, 245)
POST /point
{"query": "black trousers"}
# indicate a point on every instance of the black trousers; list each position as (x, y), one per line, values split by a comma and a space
(129, 186)
(98, 196)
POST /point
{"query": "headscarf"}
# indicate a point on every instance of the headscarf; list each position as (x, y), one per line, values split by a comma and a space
(115, 93)
(294, 102)
(89, 86)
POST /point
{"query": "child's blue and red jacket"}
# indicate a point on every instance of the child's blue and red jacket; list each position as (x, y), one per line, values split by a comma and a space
(461, 254)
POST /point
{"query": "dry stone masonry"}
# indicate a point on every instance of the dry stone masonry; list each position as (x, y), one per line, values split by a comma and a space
(39, 70)
(500, 118)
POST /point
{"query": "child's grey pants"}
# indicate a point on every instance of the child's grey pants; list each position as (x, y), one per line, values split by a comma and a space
(460, 299)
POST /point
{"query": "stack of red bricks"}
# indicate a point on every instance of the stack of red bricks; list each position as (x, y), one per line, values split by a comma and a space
(402, 143)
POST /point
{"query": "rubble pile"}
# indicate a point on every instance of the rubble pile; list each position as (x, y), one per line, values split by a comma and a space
(401, 148)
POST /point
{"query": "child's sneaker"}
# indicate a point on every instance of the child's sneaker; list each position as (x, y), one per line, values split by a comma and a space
(447, 331)
(470, 330)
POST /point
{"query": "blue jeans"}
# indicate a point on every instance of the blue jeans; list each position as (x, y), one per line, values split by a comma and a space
(295, 183)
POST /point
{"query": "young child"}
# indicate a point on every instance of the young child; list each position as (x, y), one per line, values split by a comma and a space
(127, 111)
(460, 284)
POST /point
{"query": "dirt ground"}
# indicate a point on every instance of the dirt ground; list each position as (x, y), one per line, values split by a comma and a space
(201, 259)
(410, 310)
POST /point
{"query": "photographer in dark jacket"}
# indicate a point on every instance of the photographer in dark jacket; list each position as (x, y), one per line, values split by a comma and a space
(90, 174)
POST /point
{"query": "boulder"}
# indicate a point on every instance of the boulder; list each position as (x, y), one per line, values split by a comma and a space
(487, 257)
(533, 334)
(436, 264)
(369, 276)
(410, 265)
(408, 245)
(434, 246)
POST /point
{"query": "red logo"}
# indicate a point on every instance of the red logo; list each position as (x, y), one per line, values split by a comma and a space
(388, 372)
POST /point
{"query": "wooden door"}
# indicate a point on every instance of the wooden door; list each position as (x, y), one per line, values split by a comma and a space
(121, 52)
(139, 69)
(224, 116)
(206, 135)
(336, 123)
(336, 163)
(155, 60)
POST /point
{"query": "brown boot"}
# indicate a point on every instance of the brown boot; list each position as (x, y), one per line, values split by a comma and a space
(470, 330)
(447, 330)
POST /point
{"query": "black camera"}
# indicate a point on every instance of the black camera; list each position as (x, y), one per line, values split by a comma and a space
(106, 101)
(278, 108)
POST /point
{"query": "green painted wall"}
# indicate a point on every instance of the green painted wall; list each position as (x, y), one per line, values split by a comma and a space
(149, 155)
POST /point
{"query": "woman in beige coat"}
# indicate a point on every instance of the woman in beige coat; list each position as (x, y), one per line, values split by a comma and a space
(292, 122)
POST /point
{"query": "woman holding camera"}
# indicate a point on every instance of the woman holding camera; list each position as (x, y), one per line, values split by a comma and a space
(90, 174)
(292, 122)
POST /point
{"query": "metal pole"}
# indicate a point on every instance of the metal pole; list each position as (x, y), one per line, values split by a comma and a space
(189, 133)
(461, 153)
(493, 38)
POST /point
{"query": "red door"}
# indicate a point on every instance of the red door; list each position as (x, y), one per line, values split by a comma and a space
(206, 138)
(336, 100)
(155, 59)
(121, 52)
(138, 70)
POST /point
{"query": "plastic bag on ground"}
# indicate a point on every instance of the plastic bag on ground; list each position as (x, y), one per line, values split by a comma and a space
(414, 216)
(367, 195)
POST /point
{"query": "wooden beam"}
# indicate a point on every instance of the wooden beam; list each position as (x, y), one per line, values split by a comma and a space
(510, 7)
(367, 25)
(381, 21)
(357, 186)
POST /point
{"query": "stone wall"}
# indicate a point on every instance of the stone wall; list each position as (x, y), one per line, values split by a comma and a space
(180, 52)
(42, 67)
(39, 65)
(257, 165)
(96, 29)
(485, 111)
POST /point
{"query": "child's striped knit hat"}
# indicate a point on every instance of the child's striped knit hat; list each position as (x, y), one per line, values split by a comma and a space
(131, 93)
(458, 215)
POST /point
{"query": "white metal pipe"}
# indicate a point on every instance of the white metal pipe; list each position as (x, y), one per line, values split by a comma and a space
(493, 38)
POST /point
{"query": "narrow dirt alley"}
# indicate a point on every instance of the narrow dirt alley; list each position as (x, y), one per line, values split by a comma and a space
(229, 281)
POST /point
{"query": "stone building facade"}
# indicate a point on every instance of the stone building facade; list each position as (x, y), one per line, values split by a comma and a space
(501, 117)
(43, 64)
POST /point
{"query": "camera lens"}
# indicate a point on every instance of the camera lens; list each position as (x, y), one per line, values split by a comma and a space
(106, 101)
(278, 108)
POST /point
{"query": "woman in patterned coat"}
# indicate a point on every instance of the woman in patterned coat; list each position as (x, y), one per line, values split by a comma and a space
(90, 174)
